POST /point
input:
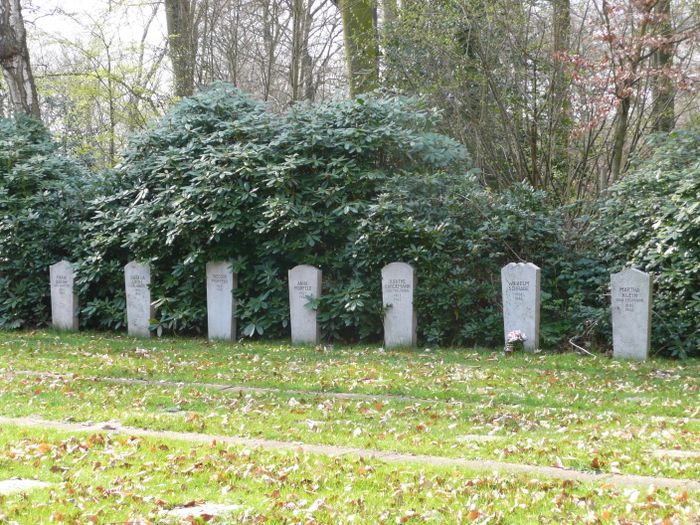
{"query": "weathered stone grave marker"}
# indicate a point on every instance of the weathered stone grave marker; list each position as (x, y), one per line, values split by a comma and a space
(139, 310)
(221, 305)
(64, 300)
(12, 486)
(304, 284)
(398, 286)
(520, 285)
(205, 511)
(631, 313)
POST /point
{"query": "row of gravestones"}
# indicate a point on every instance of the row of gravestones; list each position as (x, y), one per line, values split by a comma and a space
(631, 304)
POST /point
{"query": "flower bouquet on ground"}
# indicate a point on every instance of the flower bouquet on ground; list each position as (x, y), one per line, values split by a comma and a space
(515, 340)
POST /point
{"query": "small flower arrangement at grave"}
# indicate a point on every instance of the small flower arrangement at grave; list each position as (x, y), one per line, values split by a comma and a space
(515, 340)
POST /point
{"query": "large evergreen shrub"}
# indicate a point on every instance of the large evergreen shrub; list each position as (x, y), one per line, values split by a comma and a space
(220, 177)
(345, 186)
(651, 220)
(40, 212)
(459, 235)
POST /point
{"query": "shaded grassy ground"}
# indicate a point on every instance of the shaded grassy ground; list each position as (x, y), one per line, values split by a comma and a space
(582, 413)
(99, 479)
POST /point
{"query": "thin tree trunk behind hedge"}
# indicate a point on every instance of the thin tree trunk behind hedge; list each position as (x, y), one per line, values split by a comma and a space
(360, 39)
(663, 111)
(178, 14)
(14, 59)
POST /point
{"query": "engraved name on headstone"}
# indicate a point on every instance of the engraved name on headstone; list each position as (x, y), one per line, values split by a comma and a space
(64, 300)
(304, 284)
(631, 313)
(520, 287)
(398, 286)
(139, 311)
(221, 305)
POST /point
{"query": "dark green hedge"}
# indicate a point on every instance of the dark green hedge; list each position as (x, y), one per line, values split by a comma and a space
(348, 187)
(345, 186)
(41, 209)
(651, 220)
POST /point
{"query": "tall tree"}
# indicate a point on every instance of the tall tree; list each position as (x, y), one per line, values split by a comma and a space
(360, 40)
(627, 55)
(300, 80)
(179, 17)
(663, 88)
(560, 106)
(14, 59)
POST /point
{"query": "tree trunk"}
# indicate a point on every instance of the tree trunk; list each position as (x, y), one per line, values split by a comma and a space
(390, 10)
(14, 59)
(360, 40)
(271, 34)
(300, 71)
(295, 63)
(178, 14)
(560, 117)
(561, 25)
(232, 49)
(625, 92)
(307, 67)
(619, 141)
(663, 110)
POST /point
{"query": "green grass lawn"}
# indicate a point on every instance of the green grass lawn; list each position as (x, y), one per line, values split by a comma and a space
(100, 479)
(582, 413)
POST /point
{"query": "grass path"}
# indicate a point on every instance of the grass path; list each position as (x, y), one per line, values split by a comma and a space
(477, 465)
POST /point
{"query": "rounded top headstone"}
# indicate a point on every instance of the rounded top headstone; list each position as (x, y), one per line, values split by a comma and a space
(521, 265)
(631, 271)
(303, 267)
(135, 264)
(397, 266)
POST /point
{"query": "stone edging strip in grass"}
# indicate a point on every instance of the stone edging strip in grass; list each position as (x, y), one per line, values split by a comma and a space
(233, 388)
(482, 465)
(10, 486)
(238, 389)
(677, 454)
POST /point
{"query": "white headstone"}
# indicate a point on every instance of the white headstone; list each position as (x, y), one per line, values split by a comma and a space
(398, 286)
(64, 300)
(520, 285)
(139, 311)
(631, 313)
(221, 305)
(304, 284)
